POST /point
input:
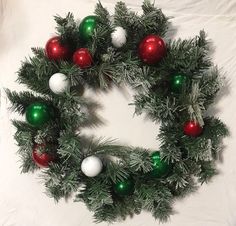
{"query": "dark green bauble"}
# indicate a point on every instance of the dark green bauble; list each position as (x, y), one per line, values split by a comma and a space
(87, 27)
(177, 83)
(160, 167)
(38, 114)
(124, 188)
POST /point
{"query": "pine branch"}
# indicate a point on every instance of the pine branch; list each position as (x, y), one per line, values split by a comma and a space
(20, 101)
(153, 20)
(140, 161)
(102, 13)
(188, 57)
(60, 181)
(96, 195)
(67, 29)
(36, 71)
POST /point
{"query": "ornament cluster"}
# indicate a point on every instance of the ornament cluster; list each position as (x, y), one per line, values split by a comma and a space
(150, 51)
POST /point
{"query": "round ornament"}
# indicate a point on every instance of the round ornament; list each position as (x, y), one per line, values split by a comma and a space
(58, 83)
(57, 51)
(91, 166)
(192, 128)
(38, 114)
(82, 58)
(87, 26)
(177, 83)
(152, 49)
(124, 188)
(41, 159)
(118, 37)
(160, 167)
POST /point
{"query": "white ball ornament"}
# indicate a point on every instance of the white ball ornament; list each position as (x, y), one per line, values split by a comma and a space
(91, 166)
(118, 37)
(58, 83)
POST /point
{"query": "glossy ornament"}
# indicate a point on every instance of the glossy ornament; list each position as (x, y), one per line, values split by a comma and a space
(118, 37)
(57, 51)
(58, 83)
(160, 167)
(91, 166)
(177, 83)
(82, 58)
(41, 159)
(124, 188)
(87, 26)
(192, 128)
(152, 49)
(38, 114)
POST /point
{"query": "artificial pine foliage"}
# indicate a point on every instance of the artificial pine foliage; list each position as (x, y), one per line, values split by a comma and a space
(191, 160)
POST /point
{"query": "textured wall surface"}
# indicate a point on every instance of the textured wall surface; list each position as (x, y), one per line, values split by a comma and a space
(28, 23)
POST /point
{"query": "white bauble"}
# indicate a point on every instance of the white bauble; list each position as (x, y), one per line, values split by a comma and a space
(118, 37)
(58, 83)
(91, 166)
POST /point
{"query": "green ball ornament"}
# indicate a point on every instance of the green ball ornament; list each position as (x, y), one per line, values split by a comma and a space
(124, 188)
(38, 113)
(87, 27)
(177, 83)
(160, 167)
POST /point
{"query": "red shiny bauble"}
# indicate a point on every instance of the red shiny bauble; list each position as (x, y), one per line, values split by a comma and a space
(41, 159)
(192, 128)
(152, 49)
(82, 58)
(57, 51)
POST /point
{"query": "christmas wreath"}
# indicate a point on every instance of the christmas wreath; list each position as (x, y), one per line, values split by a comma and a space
(174, 81)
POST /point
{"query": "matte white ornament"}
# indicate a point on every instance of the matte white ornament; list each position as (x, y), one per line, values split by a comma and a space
(118, 37)
(58, 83)
(91, 166)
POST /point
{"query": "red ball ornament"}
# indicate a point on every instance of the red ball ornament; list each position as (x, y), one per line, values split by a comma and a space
(192, 128)
(57, 51)
(152, 49)
(42, 160)
(82, 58)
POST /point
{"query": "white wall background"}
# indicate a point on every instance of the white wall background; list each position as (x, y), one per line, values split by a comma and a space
(28, 23)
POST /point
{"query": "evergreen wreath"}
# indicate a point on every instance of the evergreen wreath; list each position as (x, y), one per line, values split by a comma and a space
(174, 81)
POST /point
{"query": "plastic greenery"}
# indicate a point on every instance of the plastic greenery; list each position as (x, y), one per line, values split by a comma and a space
(192, 160)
